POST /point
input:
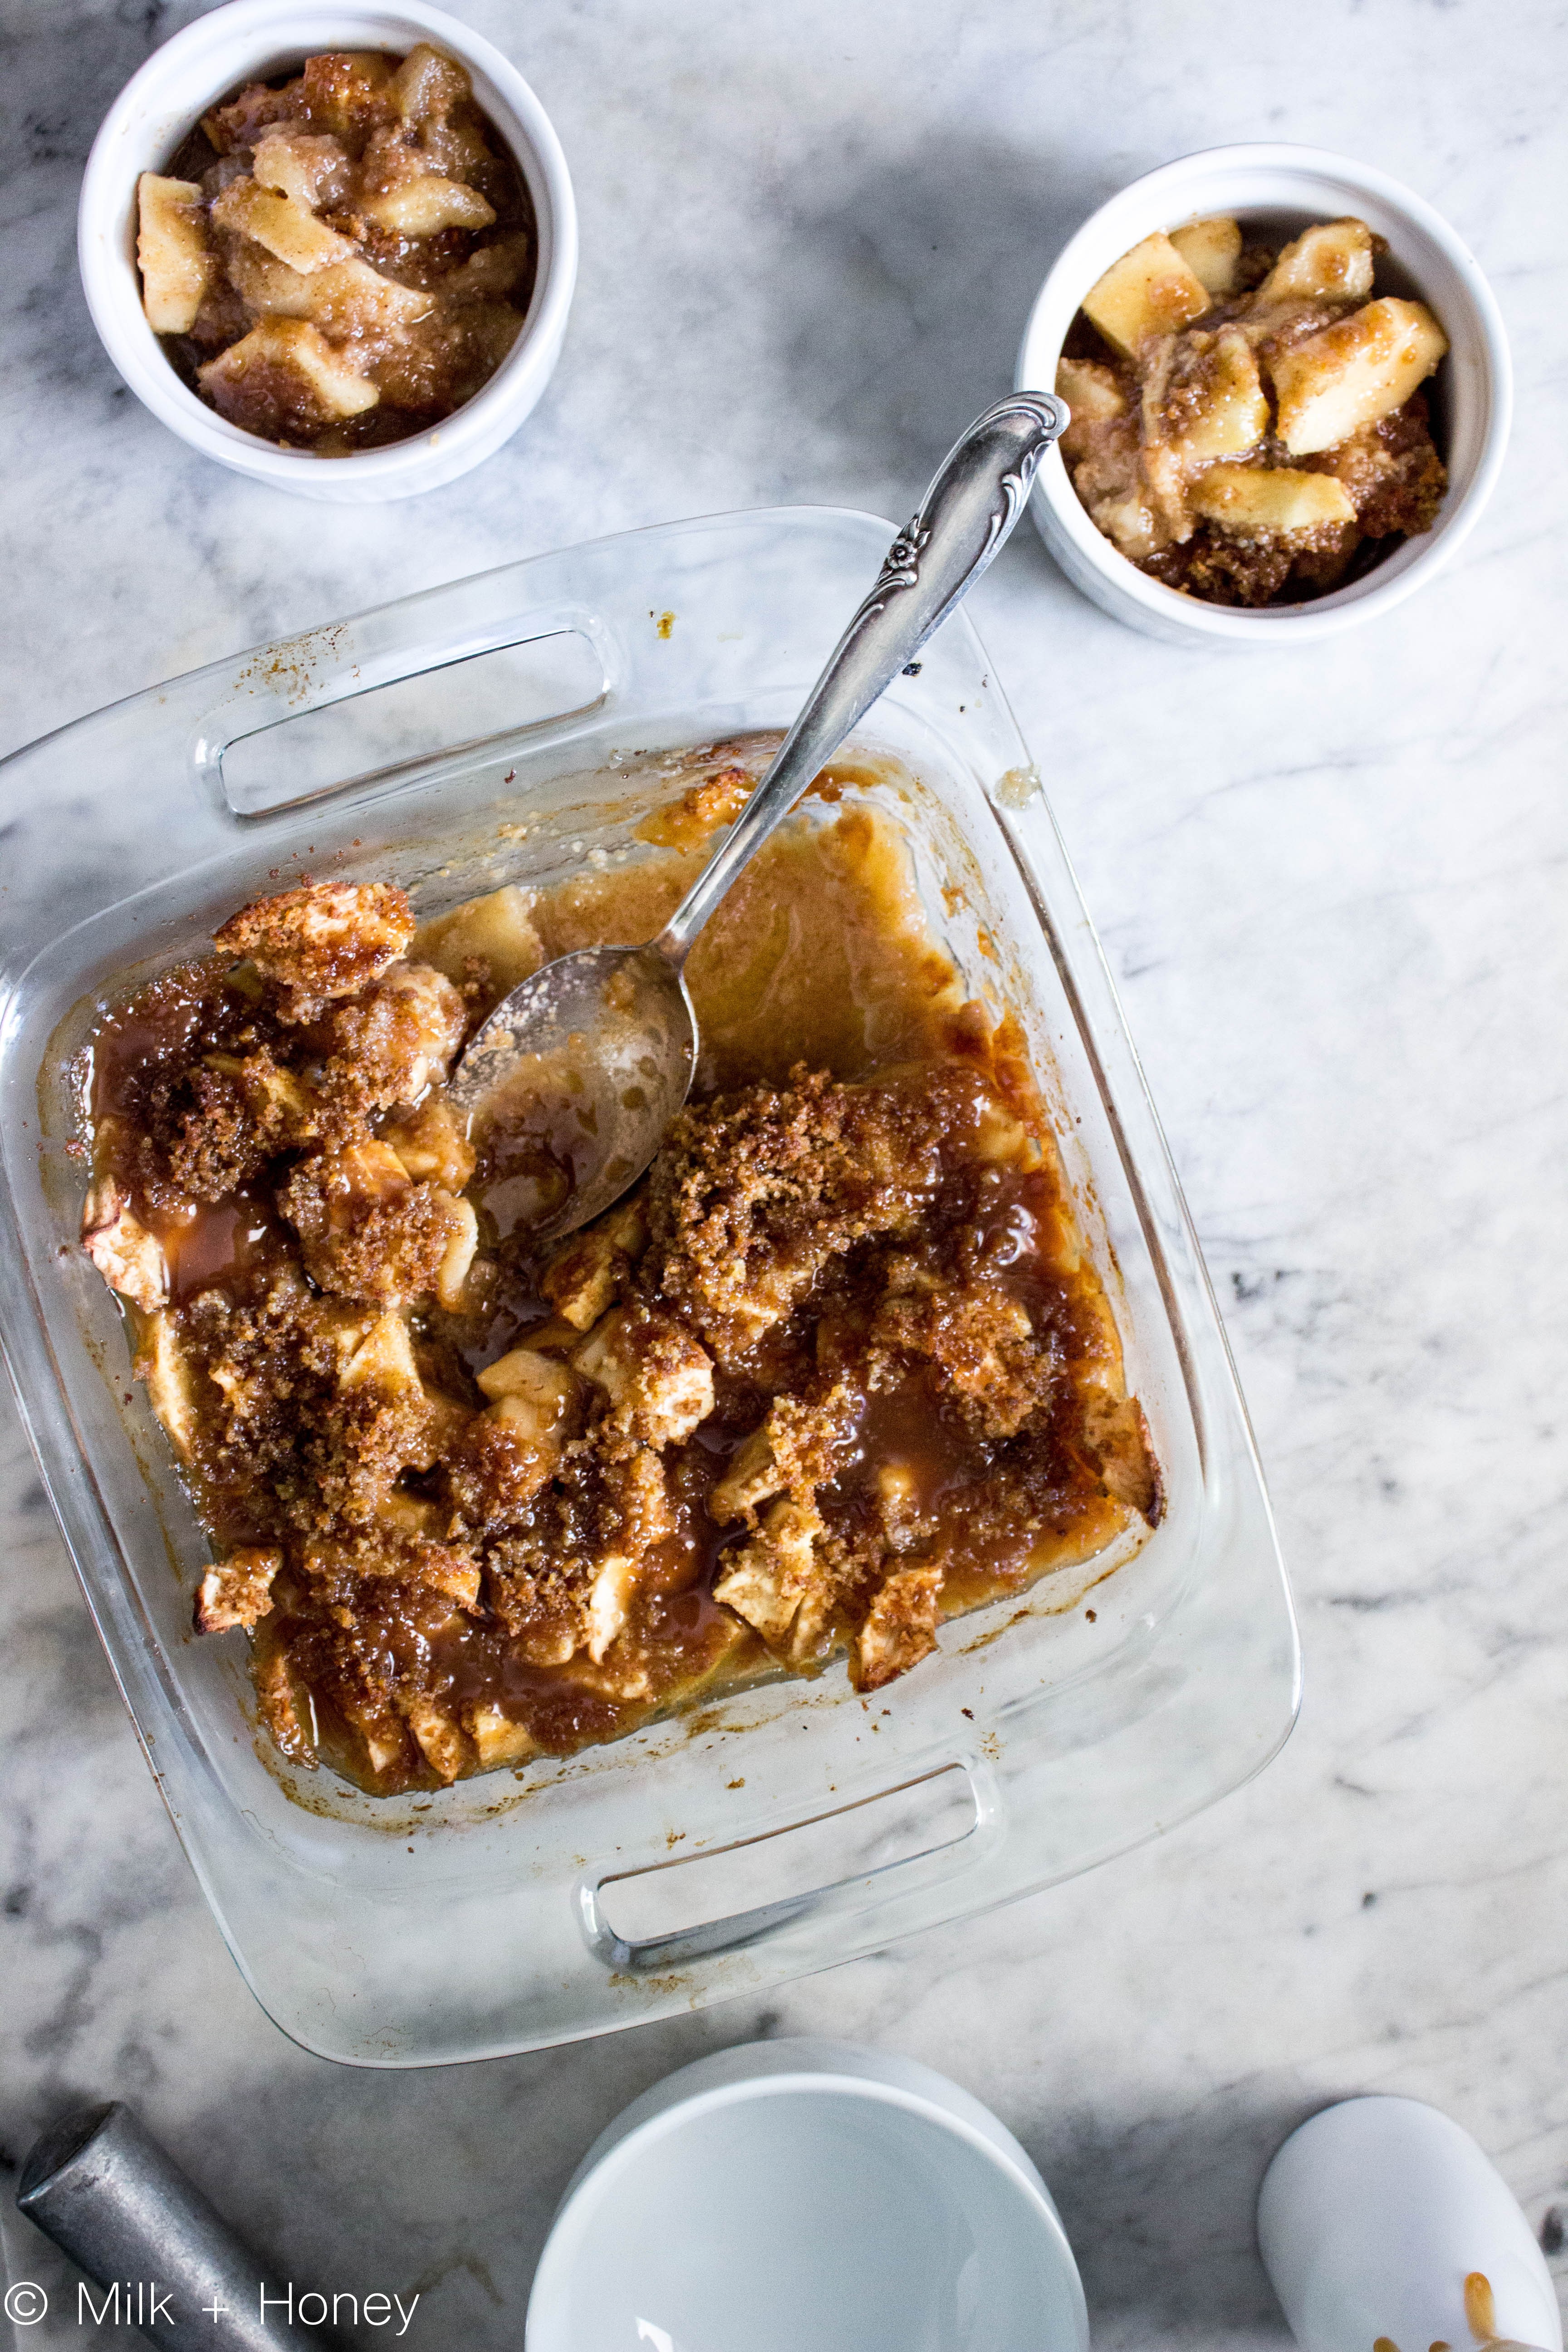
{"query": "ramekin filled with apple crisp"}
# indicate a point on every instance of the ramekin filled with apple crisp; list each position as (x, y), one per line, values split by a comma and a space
(1290, 391)
(343, 235)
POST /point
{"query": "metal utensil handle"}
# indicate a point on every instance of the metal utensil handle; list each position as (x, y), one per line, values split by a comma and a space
(975, 497)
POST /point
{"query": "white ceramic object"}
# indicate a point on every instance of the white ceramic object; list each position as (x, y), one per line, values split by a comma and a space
(1370, 2219)
(1283, 187)
(252, 39)
(797, 2194)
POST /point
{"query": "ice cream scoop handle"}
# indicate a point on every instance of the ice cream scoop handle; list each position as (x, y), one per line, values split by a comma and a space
(102, 2189)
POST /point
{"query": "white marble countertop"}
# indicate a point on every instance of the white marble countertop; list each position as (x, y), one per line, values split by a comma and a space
(1331, 886)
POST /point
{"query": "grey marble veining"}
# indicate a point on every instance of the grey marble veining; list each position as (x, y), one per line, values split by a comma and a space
(1332, 888)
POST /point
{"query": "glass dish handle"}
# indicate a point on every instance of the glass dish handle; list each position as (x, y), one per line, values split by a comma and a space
(866, 1896)
(397, 644)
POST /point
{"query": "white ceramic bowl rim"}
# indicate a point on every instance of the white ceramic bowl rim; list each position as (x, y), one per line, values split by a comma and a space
(602, 2171)
(242, 37)
(1160, 194)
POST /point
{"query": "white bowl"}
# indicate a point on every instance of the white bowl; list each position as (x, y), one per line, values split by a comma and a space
(252, 39)
(1283, 187)
(801, 2193)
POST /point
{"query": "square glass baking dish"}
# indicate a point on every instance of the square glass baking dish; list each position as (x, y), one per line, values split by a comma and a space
(509, 727)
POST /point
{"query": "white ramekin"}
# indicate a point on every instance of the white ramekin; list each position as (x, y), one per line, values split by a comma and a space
(804, 2193)
(1284, 187)
(252, 39)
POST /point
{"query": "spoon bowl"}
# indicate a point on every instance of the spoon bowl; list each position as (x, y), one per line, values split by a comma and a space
(570, 1084)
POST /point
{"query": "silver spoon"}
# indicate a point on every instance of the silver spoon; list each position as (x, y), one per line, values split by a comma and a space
(595, 1051)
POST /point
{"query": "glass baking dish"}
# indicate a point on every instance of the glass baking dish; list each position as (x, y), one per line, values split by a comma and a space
(508, 727)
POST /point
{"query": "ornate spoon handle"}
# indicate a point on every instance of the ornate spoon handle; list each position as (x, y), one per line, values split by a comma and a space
(975, 497)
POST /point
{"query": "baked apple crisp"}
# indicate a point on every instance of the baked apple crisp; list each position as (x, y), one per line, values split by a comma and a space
(837, 1368)
(1248, 424)
(342, 258)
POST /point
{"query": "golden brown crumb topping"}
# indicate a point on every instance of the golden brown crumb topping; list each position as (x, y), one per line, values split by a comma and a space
(1248, 424)
(320, 942)
(340, 258)
(836, 1369)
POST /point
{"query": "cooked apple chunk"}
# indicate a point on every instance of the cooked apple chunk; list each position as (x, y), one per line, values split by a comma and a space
(462, 1244)
(350, 299)
(900, 1629)
(1353, 372)
(1269, 502)
(1229, 411)
(428, 84)
(755, 1475)
(491, 271)
(765, 1579)
(268, 286)
(408, 1032)
(585, 1275)
(538, 1392)
(286, 227)
(430, 1142)
(1149, 292)
(657, 1378)
(348, 92)
(441, 1739)
(237, 1591)
(609, 1602)
(1118, 1431)
(383, 1360)
(1211, 249)
(320, 942)
(1331, 262)
(285, 374)
(171, 250)
(1093, 397)
(310, 169)
(163, 1363)
(277, 1703)
(1090, 390)
(427, 205)
(498, 1739)
(1129, 521)
(130, 1258)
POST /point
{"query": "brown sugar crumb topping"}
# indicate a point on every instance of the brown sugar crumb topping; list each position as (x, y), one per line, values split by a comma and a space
(1247, 424)
(341, 259)
(835, 1371)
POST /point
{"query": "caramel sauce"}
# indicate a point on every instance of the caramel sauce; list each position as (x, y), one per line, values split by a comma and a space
(821, 953)
(221, 1243)
(132, 1042)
